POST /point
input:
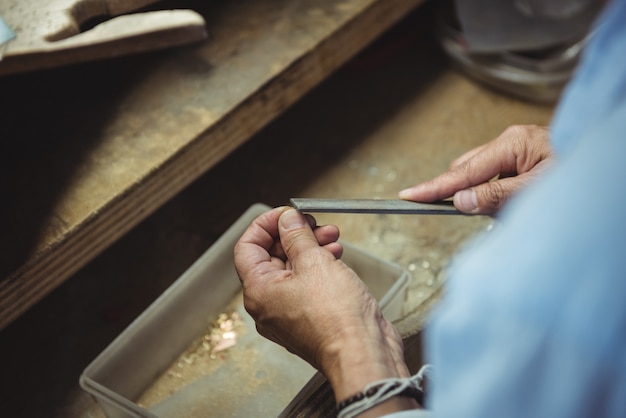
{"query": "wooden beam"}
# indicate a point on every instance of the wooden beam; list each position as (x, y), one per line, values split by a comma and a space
(160, 121)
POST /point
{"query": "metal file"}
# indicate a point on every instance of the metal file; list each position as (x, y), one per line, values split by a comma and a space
(384, 206)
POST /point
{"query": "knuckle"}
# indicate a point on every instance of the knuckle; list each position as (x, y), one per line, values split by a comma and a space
(515, 132)
(516, 135)
(522, 130)
(464, 173)
(493, 196)
(519, 135)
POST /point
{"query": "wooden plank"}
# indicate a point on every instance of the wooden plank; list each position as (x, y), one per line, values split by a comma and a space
(92, 150)
(48, 33)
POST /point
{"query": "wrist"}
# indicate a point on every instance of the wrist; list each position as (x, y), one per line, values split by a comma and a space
(354, 361)
(382, 397)
(395, 404)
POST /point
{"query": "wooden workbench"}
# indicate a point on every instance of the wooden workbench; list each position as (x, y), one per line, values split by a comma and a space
(87, 152)
(395, 115)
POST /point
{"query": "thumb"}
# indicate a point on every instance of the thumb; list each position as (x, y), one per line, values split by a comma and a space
(488, 198)
(296, 235)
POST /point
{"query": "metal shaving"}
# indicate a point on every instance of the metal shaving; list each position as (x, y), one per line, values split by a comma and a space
(220, 336)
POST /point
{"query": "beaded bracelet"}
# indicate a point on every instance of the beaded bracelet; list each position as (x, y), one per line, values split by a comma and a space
(383, 390)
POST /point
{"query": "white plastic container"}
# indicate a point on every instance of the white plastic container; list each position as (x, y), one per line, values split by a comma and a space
(254, 378)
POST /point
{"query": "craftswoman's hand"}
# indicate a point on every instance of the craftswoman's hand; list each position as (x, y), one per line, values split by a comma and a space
(303, 297)
(517, 156)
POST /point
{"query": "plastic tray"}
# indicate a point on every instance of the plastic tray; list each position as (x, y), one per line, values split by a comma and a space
(254, 378)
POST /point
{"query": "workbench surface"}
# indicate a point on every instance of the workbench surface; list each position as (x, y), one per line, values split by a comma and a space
(88, 152)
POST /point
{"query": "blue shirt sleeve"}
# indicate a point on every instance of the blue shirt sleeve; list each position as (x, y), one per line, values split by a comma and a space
(533, 322)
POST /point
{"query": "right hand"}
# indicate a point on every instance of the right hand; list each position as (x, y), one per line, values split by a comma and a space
(517, 157)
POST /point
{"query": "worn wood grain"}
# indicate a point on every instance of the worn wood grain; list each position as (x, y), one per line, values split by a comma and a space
(53, 33)
(92, 150)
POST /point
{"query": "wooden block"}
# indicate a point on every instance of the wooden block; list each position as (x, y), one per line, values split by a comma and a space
(48, 33)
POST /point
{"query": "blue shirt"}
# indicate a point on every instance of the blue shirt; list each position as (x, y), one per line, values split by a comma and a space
(533, 322)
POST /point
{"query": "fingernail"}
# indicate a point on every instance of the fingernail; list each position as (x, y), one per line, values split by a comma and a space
(406, 193)
(466, 200)
(291, 219)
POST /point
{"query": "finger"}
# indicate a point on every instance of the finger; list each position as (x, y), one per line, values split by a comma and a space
(311, 221)
(253, 248)
(469, 154)
(326, 234)
(447, 184)
(482, 166)
(335, 248)
(488, 198)
(296, 235)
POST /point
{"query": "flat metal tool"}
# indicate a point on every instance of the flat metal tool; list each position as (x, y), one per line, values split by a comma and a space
(386, 206)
